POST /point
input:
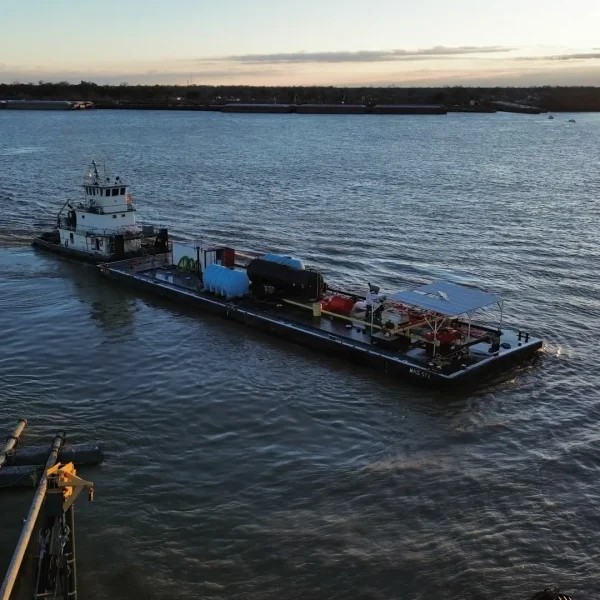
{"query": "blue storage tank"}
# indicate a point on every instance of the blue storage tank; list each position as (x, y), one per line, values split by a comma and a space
(225, 282)
(289, 261)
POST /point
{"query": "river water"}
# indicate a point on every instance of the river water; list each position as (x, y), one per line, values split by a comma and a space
(239, 466)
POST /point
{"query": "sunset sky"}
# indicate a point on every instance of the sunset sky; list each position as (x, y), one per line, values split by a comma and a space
(337, 42)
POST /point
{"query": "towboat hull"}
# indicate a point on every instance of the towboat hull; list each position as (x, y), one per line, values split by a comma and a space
(50, 242)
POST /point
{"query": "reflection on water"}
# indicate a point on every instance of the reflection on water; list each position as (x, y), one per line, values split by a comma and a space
(114, 317)
(21, 150)
(112, 310)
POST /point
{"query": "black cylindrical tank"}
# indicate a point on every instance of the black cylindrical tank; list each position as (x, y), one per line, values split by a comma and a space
(288, 281)
(162, 240)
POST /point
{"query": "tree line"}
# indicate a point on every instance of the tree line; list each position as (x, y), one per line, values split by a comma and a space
(557, 98)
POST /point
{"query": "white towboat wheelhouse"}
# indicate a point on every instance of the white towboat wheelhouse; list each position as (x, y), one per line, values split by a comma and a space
(103, 223)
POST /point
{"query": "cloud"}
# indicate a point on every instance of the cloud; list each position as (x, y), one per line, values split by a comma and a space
(563, 57)
(436, 65)
(519, 77)
(226, 76)
(365, 56)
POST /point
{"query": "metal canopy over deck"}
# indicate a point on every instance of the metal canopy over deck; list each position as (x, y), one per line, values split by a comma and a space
(445, 300)
(448, 299)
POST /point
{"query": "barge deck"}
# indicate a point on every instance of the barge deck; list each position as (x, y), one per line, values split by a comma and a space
(352, 338)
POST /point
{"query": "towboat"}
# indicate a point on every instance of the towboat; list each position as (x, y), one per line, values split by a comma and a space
(101, 226)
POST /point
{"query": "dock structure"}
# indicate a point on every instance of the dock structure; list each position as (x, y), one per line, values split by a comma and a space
(332, 109)
(418, 348)
(313, 108)
(24, 467)
(275, 107)
(46, 104)
(515, 107)
(242, 107)
(30, 521)
(52, 515)
(408, 109)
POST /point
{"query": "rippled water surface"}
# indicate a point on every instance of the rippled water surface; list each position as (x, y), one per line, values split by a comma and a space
(239, 466)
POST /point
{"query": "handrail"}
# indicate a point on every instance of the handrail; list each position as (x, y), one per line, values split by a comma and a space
(138, 229)
(137, 262)
(95, 209)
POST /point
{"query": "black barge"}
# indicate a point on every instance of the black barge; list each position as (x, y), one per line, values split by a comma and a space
(419, 337)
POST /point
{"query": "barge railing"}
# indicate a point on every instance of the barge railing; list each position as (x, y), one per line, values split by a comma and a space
(138, 264)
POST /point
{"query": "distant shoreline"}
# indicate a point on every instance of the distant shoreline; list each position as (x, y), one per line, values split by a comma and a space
(316, 109)
(275, 108)
(434, 100)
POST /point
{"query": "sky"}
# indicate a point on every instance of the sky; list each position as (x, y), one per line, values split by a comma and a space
(302, 42)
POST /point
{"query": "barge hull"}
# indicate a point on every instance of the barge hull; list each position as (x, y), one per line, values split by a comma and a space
(315, 338)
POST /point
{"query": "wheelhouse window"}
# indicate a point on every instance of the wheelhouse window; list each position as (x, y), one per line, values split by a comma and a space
(122, 191)
(115, 192)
